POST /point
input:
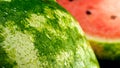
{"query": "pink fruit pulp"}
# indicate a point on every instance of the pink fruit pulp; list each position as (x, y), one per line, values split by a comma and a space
(99, 18)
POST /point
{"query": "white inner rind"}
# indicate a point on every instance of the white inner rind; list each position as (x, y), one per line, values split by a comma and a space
(103, 40)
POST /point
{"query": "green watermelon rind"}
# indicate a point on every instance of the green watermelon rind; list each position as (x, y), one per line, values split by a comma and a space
(41, 34)
(105, 49)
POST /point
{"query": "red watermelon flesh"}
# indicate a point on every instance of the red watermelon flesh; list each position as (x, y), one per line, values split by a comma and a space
(99, 18)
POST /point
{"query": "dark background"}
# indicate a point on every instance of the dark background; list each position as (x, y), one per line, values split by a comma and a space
(109, 63)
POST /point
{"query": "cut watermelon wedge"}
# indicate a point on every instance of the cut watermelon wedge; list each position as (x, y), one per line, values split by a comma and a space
(100, 20)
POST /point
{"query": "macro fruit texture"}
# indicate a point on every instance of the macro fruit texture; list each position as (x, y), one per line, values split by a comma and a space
(100, 20)
(41, 34)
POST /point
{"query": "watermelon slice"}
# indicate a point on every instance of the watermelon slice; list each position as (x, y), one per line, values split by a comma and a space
(100, 20)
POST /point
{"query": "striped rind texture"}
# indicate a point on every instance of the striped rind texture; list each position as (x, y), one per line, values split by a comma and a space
(41, 34)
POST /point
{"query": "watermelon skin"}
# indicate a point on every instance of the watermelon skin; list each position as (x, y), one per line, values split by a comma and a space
(41, 34)
(106, 50)
(100, 21)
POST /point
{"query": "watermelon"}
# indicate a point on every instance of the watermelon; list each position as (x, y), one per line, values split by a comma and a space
(41, 34)
(100, 20)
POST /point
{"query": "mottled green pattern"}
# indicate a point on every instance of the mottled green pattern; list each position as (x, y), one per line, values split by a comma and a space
(41, 34)
(106, 50)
